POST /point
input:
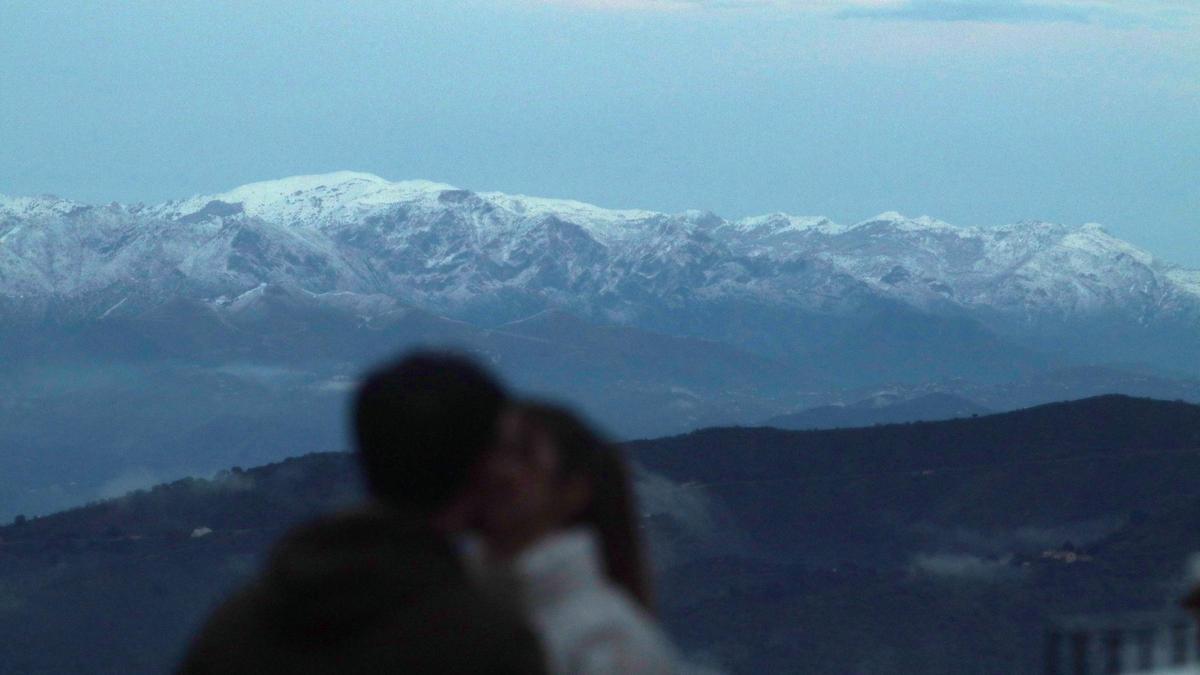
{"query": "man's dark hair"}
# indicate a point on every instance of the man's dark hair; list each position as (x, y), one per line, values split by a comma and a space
(1192, 601)
(421, 424)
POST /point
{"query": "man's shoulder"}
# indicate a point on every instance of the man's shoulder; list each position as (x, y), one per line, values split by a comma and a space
(360, 586)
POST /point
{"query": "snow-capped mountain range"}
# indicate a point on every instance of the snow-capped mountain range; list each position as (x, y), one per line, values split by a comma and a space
(228, 328)
(370, 245)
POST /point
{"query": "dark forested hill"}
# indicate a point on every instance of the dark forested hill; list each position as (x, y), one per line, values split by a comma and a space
(1044, 467)
(931, 547)
(1055, 431)
(118, 586)
(937, 547)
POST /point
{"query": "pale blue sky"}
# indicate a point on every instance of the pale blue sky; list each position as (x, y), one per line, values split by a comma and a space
(977, 112)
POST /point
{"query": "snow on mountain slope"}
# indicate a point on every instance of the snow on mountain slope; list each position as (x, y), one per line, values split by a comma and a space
(605, 225)
(310, 200)
(1028, 269)
(435, 246)
(13, 208)
(1188, 280)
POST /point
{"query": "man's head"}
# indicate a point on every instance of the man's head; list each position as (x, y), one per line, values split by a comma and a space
(422, 424)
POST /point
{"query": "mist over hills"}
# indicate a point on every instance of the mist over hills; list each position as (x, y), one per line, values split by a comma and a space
(880, 410)
(167, 324)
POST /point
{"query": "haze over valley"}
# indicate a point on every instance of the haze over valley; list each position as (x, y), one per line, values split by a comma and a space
(247, 315)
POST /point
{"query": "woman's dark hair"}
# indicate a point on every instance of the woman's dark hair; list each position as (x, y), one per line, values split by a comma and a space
(611, 511)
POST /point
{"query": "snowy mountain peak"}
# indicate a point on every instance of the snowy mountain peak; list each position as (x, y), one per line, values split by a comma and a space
(886, 216)
(345, 196)
(901, 222)
(606, 225)
(774, 224)
(311, 198)
(1093, 239)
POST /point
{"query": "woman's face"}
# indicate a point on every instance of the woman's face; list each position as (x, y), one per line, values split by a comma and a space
(524, 495)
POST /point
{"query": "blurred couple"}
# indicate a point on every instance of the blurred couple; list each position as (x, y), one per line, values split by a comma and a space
(501, 537)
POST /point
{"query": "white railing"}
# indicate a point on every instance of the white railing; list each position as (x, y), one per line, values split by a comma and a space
(1165, 642)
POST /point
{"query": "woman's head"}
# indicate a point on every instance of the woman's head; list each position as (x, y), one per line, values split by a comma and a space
(551, 471)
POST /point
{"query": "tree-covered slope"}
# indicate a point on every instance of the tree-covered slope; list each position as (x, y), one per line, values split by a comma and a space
(933, 547)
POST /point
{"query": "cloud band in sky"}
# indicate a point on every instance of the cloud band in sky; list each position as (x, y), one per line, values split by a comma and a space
(1128, 13)
(992, 11)
(1124, 13)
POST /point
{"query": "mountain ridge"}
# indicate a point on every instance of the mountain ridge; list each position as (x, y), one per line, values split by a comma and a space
(307, 206)
(786, 287)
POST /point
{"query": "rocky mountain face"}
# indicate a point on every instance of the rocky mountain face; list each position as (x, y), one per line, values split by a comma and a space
(782, 286)
(247, 316)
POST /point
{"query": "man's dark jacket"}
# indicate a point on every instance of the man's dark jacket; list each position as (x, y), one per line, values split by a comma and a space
(364, 592)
